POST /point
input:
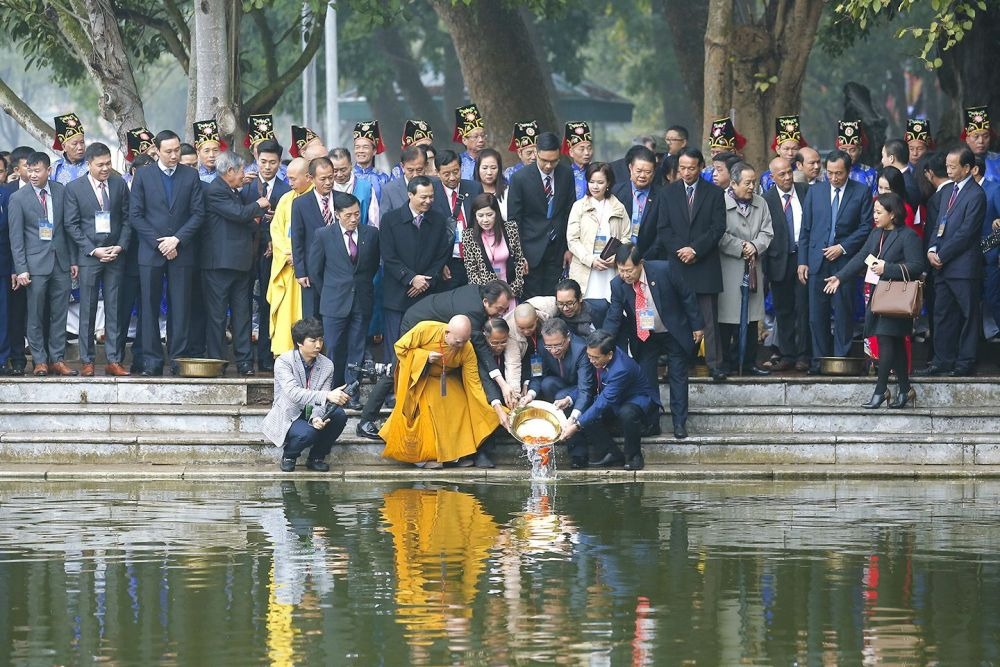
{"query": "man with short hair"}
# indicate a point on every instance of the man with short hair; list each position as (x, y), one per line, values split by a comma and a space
(70, 140)
(522, 356)
(676, 138)
(578, 144)
(721, 164)
(345, 179)
(808, 166)
(573, 309)
(470, 129)
(895, 153)
(97, 221)
(368, 144)
(641, 197)
(260, 132)
(283, 292)
(189, 156)
(412, 163)
(309, 214)
(453, 200)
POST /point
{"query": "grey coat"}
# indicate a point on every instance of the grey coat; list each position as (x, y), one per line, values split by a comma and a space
(31, 254)
(291, 395)
(756, 228)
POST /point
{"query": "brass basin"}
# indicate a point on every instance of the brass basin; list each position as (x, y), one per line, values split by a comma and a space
(199, 368)
(539, 421)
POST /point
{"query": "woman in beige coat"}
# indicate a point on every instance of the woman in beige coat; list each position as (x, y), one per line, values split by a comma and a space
(748, 234)
(593, 222)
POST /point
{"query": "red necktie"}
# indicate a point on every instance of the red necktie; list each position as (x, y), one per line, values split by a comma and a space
(640, 305)
(456, 212)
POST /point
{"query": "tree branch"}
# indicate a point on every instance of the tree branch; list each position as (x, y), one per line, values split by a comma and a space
(266, 43)
(407, 70)
(22, 114)
(180, 23)
(166, 30)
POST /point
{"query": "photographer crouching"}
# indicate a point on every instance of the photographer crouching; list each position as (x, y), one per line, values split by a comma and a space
(306, 413)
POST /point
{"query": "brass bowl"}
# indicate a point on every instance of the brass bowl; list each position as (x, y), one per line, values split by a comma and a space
(842, 365)
(536, 410)
(200, 368)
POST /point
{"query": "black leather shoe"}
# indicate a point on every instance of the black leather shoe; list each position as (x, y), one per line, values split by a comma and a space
(318, 465)
(287, 465)
(610, 460)
(651, 430)
(578, 462)
(245, 370)
(369, 430)
(757, 371)
(353, 404)
(152, 372)
(266, 367)
(680, 431)
(718, 375)
(931, 370)
(962, 372)
(17, 371)
(176, 370)
(484, 461)
(636, 463)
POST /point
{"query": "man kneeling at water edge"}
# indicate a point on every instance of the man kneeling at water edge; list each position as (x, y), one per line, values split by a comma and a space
(306, 413)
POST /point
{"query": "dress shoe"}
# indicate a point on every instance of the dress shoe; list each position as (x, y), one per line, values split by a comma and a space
(287, 465)
(115, 369)
(175, 370)
(484, 461)
(876, 400)
(813, 370)
(967, 371)
(718, 375)
(757, 371)
(317, 465)
(651, 430)
(60, 368)
(245, 370)
(87, 370)
(41, 370)
(930, 371)
(353, 404)
(368, 430)
(636, 463)
(610, 460)
(680, 431)
(780, 366)
(802, 366)
(152, 372)
(903, 399)
(578, 462)
(17, 371)
(466, 461)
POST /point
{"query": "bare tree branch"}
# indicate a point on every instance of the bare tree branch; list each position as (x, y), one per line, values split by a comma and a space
(22, 114)
(266, 43)
(167, 32)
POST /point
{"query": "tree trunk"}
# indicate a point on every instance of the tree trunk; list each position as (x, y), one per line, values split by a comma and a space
(717, 79)
(23, 115)
(454, 84)
(687, 22)
(965, 77)
(216, 48)
(385, 106)
(752, 55)
(407, 75)
(500, 66)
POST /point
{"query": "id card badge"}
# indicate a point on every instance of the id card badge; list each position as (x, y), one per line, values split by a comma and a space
(102, 222)
(646, 319)
(940, 231)
(600, 242)
(45, 229)
(458, 233)
(536, 366)
(496, 270)
(635, 231)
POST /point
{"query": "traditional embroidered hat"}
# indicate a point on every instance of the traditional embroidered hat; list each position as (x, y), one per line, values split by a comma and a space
(260, 127)
(787, 128)
(850, 133)
(67, 126)
(138, 142)
(467, 119)
(414, 131)
(918, 129)
(368, 129)
(525, 134)
(976, 119)
(723, 135)
(301, 136)
(208, 130)
(576, 132)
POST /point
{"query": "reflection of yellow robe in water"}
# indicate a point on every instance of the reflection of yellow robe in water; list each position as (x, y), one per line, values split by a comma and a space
(283, 294)
(442, 540)
(424, 425)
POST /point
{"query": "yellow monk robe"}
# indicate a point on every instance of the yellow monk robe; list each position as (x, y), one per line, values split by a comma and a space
(442, 540)
(283, 294)
(429, 424)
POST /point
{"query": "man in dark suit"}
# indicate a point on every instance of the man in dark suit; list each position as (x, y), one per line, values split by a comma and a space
(478, 303)
(895, 153)
(44, 263)
(264, 184)
(936, 172)
(836, 220)
(413, 161)
(453, 200)
(227, 260)
(653, 301)
(957, 265)
(692, 220)
(539, 198)
(310, 212)
(415, 248)
(16, 311)
(781, 265)
(6, 273)
(166, 210)
(97, 221)
(641, 198)
(345, 257)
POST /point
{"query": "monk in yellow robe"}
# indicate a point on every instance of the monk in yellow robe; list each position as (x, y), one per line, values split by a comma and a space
(283, 292)
(441, 411)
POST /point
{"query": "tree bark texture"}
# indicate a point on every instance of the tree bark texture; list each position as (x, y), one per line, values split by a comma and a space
(23, 115)
(718, 93)
(216, 42)
(686, 22)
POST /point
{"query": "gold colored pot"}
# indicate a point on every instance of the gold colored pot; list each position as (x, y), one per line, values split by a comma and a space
(537, 419)
(842, 365)
(200, 368)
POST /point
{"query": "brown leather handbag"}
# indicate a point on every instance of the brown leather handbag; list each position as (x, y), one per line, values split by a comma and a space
(898, 298)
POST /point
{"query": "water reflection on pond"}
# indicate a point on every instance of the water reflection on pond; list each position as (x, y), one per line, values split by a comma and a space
(287, 573)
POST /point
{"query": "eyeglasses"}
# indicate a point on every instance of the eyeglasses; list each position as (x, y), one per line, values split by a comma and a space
(566, 305)
(556, 348)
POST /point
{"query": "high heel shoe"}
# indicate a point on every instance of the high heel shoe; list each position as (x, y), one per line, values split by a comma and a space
(876, 400)
(902, 400)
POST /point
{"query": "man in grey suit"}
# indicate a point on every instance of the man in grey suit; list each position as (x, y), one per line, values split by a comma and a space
(44, 263)
(97, 221)
(394, 195)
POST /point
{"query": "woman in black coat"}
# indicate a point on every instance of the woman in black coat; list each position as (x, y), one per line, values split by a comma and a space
(895, 246)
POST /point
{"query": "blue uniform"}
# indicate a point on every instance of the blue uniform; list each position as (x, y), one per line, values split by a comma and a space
(511, 170)
(205, 175)
(991, 279)
(992, 167)
(706, 173)
(397, 172)
(64, 171)
(580, 180)
(373, 176)
(468, 166)
(865, 175)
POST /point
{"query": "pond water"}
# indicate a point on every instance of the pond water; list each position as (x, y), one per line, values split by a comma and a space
(343, 573)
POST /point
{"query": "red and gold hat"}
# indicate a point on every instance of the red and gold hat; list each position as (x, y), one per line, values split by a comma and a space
(723, 135)
(918, 129)
(301, 136)
(467, 119)
(976, 119)
(67, 126)
(414, 131)
(787, 128)
(260, 127)
(850, 133)
(525, 135)
(576, 132)
(138, 141)
(208, 130)
(368, 129)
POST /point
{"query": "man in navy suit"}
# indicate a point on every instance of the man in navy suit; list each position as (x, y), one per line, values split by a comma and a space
(310, 212)
(265, 184)
(453, 200)
(641, 198)
(623, 393)
(6, 271)
(16, 312)
(97, 221)
(166, 210)
(836, 220)
(345, 257)
(661, 314)
(957, 265)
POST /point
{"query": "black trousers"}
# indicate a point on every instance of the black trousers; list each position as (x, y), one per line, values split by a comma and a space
(180, 287)
(262, 278)
(958, 322)
(791, 314)
(541, 280)
(678, 362)
(129, 299)
(225, 290)
(630, 419)
(17, 323)
(731, 347)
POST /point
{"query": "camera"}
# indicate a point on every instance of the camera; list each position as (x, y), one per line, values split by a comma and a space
(367, 370)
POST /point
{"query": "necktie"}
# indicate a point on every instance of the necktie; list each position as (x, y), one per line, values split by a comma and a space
(690, 196)
(417, 220)
(327, 214)
(640, 305)
(548, 206)
(456, 209)
(951, 200)
(548, 189)
(834, 210)
(262, 188)
(43, 200)
(105, 202)
(456, 212)
(352, 247)
(790, 220)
